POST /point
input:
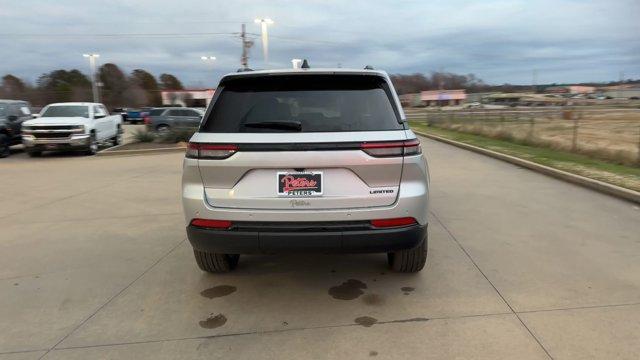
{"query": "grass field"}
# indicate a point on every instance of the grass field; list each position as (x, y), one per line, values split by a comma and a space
(621, 175)
(608, 134)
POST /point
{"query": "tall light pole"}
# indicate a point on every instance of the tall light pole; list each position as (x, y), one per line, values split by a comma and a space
(94, 83)
(210, 59)
(265, 37)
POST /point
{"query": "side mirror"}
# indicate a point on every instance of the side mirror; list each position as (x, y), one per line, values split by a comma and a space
(12, 118)
(98, 116)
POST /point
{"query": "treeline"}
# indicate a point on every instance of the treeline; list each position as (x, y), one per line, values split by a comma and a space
(414, 83)
(139, 88)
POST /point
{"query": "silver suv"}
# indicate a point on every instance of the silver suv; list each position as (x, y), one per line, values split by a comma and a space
(305, 160)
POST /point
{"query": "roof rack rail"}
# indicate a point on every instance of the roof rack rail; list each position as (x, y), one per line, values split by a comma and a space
(244, 69)
(368, 67)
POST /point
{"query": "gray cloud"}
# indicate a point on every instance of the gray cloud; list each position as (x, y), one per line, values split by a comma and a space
(500, 41)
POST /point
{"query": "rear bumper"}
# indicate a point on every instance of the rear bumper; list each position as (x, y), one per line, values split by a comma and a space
(331, 241)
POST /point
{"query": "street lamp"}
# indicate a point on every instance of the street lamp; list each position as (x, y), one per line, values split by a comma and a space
(208, 59)
(94, 84)
(265, 37)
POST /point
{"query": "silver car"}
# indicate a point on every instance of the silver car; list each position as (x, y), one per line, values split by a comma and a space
(164, 119)
(305, 160)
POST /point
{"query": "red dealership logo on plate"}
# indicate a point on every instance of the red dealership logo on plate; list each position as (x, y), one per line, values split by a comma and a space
(300, 184)
(291, 182)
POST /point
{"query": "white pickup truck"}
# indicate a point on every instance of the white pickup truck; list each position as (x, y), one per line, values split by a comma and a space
(71, 126)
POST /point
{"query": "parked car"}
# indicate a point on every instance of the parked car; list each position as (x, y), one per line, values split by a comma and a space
(122, 112)
(163, 119)
(136, 116)
(71, 126)
(305, 161)
(12, 114)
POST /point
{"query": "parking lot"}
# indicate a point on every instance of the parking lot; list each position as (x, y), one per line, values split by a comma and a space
(94, 264)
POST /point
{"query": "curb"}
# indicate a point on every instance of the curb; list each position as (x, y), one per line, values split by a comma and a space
(109, 152)
(593, 184)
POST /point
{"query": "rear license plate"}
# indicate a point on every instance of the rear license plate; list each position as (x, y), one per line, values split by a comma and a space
(299, 184)
(51, 146)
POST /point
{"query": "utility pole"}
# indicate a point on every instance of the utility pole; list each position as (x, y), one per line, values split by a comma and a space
(246, 44)
(534, 81)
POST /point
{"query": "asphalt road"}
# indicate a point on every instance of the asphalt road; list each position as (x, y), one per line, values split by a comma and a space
(94, 264)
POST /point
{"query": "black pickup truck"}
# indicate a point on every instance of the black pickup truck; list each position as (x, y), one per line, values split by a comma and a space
(12, 114)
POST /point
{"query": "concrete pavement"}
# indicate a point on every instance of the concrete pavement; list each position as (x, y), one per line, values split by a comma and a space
(94, 264)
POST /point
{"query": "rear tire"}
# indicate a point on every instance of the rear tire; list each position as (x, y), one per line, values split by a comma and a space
(92, 147)
(214, 262)
(163, 128)
(118, 139)
(4, 145)
(410, 260)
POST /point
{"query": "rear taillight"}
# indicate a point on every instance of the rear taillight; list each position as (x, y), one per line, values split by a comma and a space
(392, 148)
(147, 120)
(211, 224)
(210, 151)
(395, 222)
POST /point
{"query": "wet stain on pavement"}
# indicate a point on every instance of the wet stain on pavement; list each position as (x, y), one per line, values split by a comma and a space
(373, 353)
(418, 319)
(16, 284)
(213, 321)
(407, 289)
(218, 291)
(348, 290)
(366, 321)
(373, 299)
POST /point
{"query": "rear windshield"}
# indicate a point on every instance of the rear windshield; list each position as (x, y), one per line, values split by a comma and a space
(156, 112)
(303, 103)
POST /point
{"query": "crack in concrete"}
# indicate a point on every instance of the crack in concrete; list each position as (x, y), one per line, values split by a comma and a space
(491, 283)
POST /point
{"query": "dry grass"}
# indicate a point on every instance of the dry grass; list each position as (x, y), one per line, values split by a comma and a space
(612, 135)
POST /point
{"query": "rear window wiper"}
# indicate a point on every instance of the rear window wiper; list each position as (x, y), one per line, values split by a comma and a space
(280, 125)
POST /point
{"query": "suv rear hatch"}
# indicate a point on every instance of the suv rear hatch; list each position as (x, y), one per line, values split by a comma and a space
(308, 141)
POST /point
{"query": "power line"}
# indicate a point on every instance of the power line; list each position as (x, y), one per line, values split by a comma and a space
(156, 35)
(121, 35)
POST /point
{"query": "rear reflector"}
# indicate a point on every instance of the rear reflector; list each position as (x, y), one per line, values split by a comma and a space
(392, 148)
(211, 224)
(396, 222)
(210, 151)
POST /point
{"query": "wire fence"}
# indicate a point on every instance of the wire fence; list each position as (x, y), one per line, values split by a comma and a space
(607, 134)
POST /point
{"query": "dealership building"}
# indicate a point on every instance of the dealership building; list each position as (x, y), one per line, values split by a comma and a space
(188, 98)
(442, 97)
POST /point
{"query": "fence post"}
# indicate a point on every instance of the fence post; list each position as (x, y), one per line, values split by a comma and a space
(574, 142)
(638, 145)
(532, 126)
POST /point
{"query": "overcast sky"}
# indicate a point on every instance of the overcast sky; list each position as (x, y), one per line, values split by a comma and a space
(499, 41)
